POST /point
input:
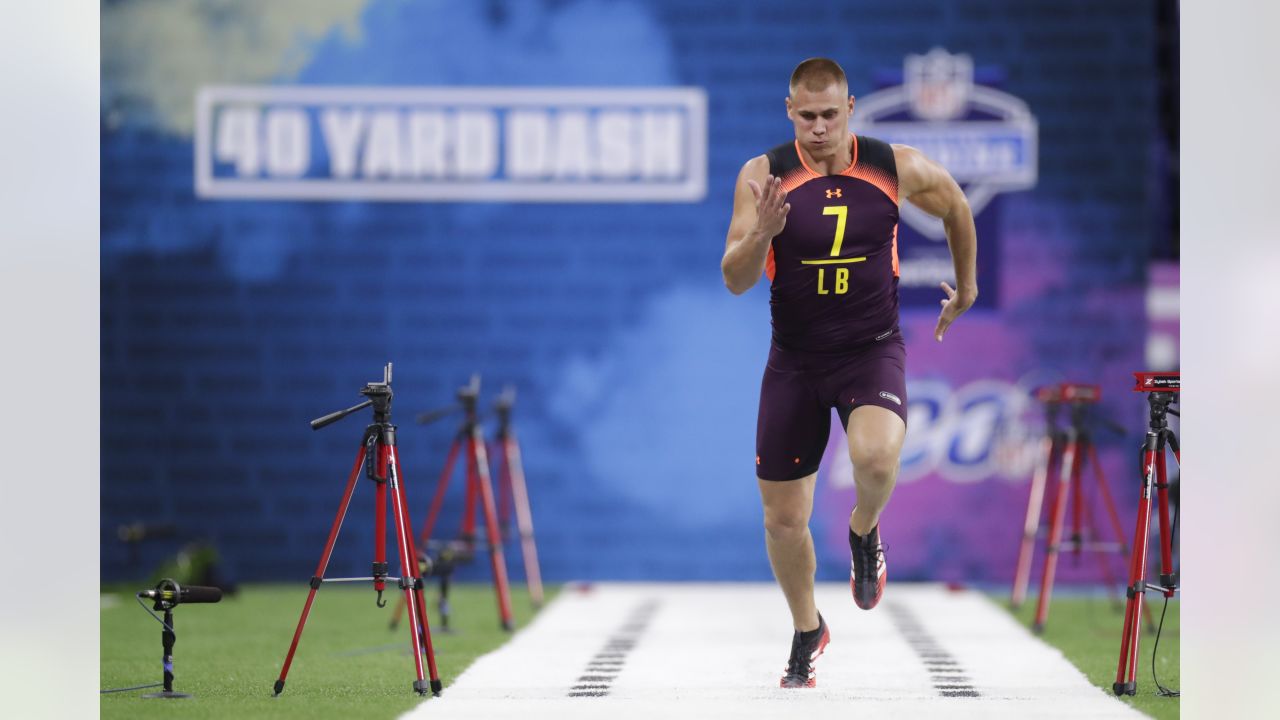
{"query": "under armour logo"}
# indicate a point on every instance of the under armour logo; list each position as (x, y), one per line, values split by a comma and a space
(833, 193)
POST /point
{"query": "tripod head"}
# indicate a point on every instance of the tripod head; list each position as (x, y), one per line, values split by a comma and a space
(468, 401)
(379, 394)
(1162, 390)
(1081, 398)
(1160, 403)
(503, 406)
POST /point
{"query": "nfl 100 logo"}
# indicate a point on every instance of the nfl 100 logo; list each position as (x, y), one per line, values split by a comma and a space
(987, 139)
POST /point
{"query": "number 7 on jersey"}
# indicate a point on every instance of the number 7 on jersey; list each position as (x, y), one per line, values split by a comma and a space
(842, 213)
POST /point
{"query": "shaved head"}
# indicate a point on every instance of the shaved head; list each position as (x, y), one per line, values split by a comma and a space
(817, 74)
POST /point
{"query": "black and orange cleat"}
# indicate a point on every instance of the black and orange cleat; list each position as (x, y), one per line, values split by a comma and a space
(805, 649)
(867, 575)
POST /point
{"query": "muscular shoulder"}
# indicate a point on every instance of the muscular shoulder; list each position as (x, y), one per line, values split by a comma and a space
(757, 168)
(916, 171)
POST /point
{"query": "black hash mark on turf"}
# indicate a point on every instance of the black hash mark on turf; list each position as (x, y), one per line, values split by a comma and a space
(604, 667)
(948, 677)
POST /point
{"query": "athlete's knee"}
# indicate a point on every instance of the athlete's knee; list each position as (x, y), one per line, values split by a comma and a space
(875, 466)
(785, 524)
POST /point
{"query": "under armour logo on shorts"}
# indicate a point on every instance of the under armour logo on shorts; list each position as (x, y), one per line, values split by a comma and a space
(890, 396)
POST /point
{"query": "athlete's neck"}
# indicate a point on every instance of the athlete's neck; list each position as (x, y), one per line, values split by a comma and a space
(839, 157)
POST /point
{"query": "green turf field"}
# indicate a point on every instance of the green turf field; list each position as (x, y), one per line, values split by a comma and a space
(1087, 631)
(348, 664)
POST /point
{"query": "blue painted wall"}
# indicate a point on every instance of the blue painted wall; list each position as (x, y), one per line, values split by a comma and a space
(226, 325)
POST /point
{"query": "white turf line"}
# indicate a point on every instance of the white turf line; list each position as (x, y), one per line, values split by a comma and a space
(718, 650)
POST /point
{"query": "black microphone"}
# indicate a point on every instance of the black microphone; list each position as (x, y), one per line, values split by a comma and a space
(170, 593)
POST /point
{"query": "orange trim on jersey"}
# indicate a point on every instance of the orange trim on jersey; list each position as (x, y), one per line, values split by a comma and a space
(796, 178)
(877, 177)
(770, 268)
(886, 183)
(853, 142)
(895, 249)
(800, 154)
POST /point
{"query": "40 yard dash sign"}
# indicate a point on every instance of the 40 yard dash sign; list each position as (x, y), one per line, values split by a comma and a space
(451, 144)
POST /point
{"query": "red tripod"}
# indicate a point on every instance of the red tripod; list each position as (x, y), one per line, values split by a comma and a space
(1161, 389)
(1067, 454)
(1046, 467)
(383, 468)
(512, 491)
(471, 436)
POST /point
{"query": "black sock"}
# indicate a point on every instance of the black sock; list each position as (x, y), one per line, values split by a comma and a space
(855, 537)
(811, 635)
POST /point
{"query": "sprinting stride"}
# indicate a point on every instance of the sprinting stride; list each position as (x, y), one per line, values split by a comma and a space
(819, 217)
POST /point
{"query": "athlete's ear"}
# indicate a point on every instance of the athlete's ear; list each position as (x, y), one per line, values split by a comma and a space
(851, 99)
(789, 107)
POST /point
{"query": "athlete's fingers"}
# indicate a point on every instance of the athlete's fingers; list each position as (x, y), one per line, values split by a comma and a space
(755, 190)
(941, 329)
(786, 209)
(776, 195)
(947, 289)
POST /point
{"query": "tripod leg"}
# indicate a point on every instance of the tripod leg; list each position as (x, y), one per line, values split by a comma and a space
(1035, 503)
(473, 489)
(320, 568)
(412, 584)
(1127, 668)
(1070, 470)
(380, 525)
(1077, 503)
(1108, 502)
(495, 450)
(1166, 539)
(496, 559)
(1092, 525)
(432, 512)
(438, 500)
(524, 519)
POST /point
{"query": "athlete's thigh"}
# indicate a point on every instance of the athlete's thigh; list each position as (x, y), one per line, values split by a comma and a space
(790, 502)
(871, 397)
(875, 435)
(792, 426)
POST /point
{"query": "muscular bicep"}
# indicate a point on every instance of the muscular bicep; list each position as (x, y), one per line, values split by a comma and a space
(744, 201)
(926, 184)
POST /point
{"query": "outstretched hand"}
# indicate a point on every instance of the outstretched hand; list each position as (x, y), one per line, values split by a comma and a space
(952, 307)
(771, 206)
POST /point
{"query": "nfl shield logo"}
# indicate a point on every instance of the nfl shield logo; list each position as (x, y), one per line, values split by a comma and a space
(938, 83)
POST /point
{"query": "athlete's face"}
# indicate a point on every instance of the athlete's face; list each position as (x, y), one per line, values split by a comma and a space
(821, 118)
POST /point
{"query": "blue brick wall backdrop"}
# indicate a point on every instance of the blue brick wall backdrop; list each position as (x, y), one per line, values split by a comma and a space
(227, 324)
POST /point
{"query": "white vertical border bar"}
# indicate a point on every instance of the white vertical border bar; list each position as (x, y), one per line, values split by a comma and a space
(1230, 354)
